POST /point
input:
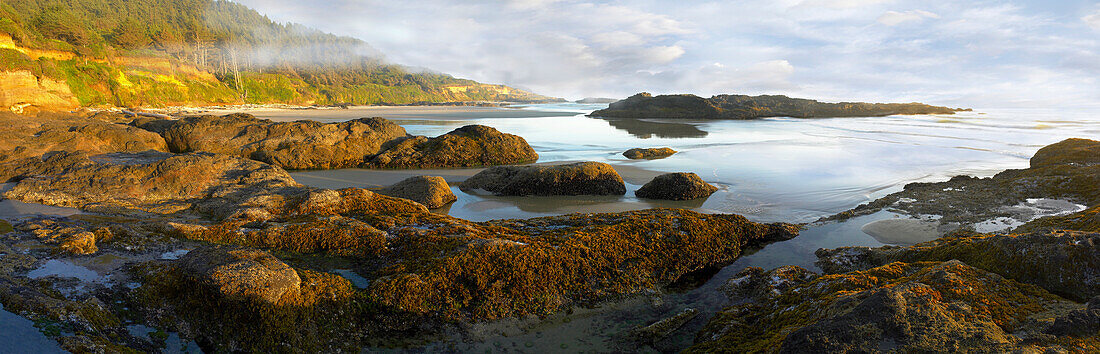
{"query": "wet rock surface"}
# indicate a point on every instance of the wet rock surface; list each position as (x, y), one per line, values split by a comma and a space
(644, 105)
(648, 153)
(676, 186)
(468, 146)
(433, 192)
(582, 178)
(24, 137)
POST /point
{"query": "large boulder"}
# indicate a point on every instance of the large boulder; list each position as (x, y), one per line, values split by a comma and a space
(1069, 151)
(645, 105)
(24, 137)
(242, 272)
(649, 153)
(581, 178)
(433, 192)
(468, 146)
(676, 186)
(291, 145)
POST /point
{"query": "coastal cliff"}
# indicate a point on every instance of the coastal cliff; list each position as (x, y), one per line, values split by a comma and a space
(645, 105)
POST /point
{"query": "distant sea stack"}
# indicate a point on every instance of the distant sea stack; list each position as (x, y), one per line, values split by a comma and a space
(645, 105)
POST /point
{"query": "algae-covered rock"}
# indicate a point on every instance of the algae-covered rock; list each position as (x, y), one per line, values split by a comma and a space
(468, 146)
(291, 145)
(581, 178)
(1066, 263)
(5, 227)
(902, 307)
(433, 192)
(649, 153)
(645, 105)
(242, 272)
(1069, 151)
(676, 186)
(661, 329)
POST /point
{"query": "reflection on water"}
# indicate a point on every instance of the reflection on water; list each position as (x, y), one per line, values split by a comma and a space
(777, 169)
(645, 129)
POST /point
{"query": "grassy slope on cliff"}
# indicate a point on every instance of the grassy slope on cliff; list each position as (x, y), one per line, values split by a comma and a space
(176, 52)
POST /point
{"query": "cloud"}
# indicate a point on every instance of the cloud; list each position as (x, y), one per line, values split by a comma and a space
(894, 18)
(1093, 20)
(952, 52)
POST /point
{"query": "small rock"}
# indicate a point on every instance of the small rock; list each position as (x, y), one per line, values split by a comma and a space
(650, 153)
(676, 186)
(431, 191)
(665, 327)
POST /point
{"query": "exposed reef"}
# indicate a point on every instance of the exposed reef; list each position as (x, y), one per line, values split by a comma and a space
(364, 142)
(644, 105)
(24, 137)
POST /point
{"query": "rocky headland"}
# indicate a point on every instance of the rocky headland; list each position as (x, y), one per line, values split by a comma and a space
(645, 105)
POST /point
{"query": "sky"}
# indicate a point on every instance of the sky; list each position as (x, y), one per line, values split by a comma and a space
(961, 53)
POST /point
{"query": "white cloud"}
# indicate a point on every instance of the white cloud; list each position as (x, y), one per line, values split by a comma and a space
(955, 52)
(1093, 20)
(894, 18)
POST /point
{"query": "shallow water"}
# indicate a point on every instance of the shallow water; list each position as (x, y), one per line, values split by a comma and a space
(778, 169)
(18, 335)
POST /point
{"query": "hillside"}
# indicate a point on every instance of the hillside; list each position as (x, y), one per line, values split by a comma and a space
(644, 105)
(60, 54)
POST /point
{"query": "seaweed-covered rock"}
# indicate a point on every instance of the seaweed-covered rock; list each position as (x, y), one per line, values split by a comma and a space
(242, 272)
(649, 153)
(902, 307)
(291, 145)
(581, 178)
(1069, 151)
(468, 146)
(1066, 263)
(676, 186)
(24, 137)
(644, 105)
(433, 192)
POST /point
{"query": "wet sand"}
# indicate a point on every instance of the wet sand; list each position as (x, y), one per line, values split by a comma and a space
(392, 113)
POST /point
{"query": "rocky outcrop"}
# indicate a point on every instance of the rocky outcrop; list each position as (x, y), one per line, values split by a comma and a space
(649, 153)
(242, 272)
(153, 182)
(22, 92)
(581, 178)
(24, 137)
(903, 307)
(644, 105)
(1062, 262)
(433, 192)
(676, 186)
(291, 145)
(364, 142)
(468, 146)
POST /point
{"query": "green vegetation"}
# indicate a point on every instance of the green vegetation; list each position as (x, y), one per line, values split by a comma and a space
(182, 52)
